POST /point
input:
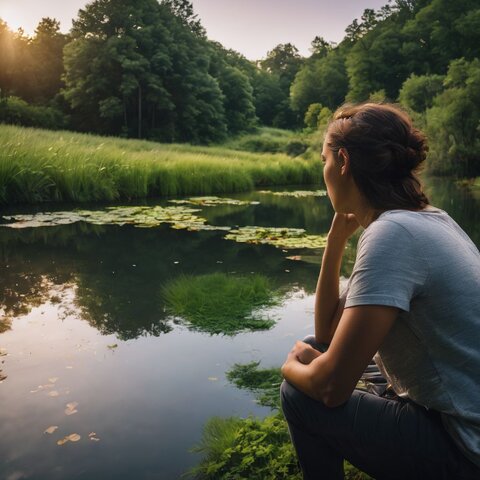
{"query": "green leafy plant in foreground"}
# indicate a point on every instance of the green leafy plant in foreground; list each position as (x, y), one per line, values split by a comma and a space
(255, 449)
(220, 303)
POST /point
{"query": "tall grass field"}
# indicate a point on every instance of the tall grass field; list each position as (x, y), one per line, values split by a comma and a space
(40, 165)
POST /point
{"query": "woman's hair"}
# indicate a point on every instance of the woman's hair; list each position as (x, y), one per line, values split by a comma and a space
(385, 152)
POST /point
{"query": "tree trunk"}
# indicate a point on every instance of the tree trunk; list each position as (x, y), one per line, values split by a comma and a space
(139, 111)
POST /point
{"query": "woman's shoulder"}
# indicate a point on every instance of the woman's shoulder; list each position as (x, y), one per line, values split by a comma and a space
(401, 225)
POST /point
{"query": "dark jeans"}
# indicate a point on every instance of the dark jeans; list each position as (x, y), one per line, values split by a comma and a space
(386, 438)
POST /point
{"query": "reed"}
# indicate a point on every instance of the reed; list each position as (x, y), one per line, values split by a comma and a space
(40, 165)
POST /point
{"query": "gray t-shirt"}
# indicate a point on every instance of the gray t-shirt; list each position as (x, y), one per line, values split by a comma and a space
(425, 264)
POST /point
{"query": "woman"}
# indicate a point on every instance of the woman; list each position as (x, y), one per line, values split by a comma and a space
(413, 301)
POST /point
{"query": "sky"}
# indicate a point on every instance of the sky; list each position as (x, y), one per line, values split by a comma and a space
(251, 27)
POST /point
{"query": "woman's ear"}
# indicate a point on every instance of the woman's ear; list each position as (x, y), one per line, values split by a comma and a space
(344, 159)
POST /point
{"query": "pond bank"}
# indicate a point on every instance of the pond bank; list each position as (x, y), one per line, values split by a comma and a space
(44, 166)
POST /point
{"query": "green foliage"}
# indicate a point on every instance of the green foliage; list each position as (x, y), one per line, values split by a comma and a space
(253, 449)
(14, 110)
(238, 102)
(439, 32)
(264, 383)
(234, 448)
(311, 115)
(453, 122)
(220, 303)
(31, 68)
(294, 148)
(323, 80)
(417, 92)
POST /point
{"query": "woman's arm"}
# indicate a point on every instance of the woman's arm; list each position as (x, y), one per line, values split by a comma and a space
(328, 307)
(332, 376)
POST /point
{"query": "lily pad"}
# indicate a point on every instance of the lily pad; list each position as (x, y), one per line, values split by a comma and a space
(286, 238)
(139, 216)
(212, 201)
(297, 193)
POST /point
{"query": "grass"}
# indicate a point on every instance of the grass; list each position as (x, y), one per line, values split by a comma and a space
(40, 165)
(219, 303)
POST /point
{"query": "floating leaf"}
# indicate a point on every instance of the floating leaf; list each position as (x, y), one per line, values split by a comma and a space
(211, 201)
(213, 379)
(53, 379)
(71, 408)
(140, 216)
(51, 429)
(297, 193)
(113, 346)
(53, 393)
(279, 237)
(73, 437)
(314, 259)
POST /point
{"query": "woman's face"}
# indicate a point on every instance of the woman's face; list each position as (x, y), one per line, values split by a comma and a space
(332, 175)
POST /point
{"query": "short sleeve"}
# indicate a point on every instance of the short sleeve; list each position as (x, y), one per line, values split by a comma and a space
(389, 269)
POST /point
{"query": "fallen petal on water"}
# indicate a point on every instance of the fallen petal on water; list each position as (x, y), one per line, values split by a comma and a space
(73, 437)
(51, 429)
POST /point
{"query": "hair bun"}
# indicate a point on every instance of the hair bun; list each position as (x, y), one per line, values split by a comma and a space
(413, 158)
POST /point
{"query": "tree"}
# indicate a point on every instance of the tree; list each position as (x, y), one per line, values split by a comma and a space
(418, 92)
(141, 68)
(284, 61)
(375, 62)
(435, 35)
(47, 54)
(311, 115)
(453, 122)
(320, 47)
(321, 81)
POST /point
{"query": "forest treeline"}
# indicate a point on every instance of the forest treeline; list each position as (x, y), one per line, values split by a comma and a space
(146, 69)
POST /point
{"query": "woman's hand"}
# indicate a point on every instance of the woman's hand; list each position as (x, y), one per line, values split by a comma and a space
(303, 352)
(343, 226)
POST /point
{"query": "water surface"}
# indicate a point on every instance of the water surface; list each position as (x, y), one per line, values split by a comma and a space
(88, 331)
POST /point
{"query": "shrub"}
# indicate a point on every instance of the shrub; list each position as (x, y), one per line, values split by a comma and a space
(14, 110)
(294, 148)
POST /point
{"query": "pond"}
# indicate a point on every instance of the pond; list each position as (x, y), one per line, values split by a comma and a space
(104, 370)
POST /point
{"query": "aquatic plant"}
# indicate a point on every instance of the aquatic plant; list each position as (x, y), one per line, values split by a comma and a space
(212, 201)
(219, 303)
(138, 216)
(297, 193)
(278, 237)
